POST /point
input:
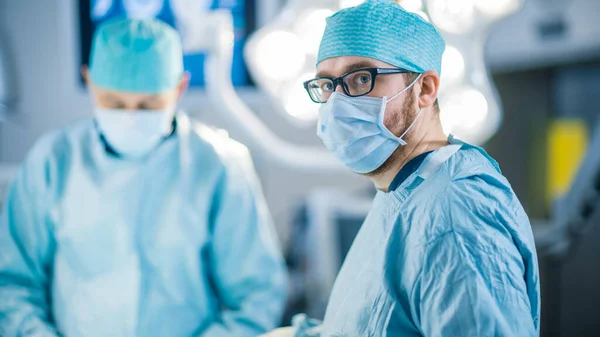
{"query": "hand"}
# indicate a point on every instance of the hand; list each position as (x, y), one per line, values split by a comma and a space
(281, 332)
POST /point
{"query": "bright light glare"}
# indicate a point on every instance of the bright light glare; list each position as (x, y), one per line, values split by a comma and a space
(453, 65)
(280, 56)
(190, 20)
(411, 5)
(463, 109)
(190, 7)
(143, 9)
(100, 8)
(497, 8)
(298, 103)
(350, 3)
(310, 28)
(455, 16)
(423, 15)
(228, 37)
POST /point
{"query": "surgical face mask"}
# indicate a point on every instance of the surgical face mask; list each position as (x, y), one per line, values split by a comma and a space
(134, 133)
(352, 129)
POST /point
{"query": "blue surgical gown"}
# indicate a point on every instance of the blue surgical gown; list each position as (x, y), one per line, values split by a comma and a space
(177, 244)
(449, 252)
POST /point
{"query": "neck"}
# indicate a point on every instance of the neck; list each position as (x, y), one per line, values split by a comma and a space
(430, 140)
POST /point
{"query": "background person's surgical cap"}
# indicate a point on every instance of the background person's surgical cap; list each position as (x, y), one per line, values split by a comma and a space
(383, 30)
(136, 56)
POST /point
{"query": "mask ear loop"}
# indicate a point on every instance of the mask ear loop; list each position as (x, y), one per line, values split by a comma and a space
(404, 90)
(400, 140)
(410, 126)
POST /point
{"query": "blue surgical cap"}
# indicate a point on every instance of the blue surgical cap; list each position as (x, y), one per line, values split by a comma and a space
(383, 30)
(137, 56)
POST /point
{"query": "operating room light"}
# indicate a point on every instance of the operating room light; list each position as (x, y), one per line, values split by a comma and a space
(143, 9)
(412, 5)
(280, 55)
(470, 107)
(409, 5)
(497, 7)
(455, 16)
(310, 28)
(453, 66)
(423, 15)
(186, 7)
(191, 23)
(100, 8)
(298, 103)
(350, 3)
(464, 107)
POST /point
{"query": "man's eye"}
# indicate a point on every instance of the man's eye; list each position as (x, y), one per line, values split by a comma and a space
(361, 79)
(327, 87)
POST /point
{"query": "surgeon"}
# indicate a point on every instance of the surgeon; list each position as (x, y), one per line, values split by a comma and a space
(447, 249)
(140, 221)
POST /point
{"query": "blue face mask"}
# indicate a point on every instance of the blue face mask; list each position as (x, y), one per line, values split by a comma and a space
(352, 129)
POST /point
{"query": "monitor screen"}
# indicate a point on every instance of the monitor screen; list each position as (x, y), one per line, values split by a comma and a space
(94, 12)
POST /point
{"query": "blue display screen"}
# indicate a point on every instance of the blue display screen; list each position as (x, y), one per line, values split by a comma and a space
(94, 12)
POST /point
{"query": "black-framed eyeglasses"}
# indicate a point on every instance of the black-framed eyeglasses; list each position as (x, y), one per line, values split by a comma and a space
(355, 83)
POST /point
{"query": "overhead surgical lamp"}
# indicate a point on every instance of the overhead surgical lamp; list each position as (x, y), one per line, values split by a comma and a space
(100, 8)
(470, 107)
(143, 9)
(215, 38)
(282, 55)
(189, 21)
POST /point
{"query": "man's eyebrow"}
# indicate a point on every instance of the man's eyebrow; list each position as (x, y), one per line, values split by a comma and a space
(349, 68)
(359, 65)
(110, 98)
(153, 98)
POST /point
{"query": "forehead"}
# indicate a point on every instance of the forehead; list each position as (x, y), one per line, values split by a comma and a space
(126, 96)
(337, 66)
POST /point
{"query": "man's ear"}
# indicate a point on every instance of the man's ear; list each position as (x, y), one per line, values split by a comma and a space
(430, 85)
(184, 84)
(85, 73)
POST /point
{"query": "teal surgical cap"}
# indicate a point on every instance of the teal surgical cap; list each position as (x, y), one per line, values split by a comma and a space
(382, 30)
(136, 56)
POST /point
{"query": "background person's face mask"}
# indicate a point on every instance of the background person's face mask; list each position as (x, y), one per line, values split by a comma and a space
(134, 133)
(352, 129)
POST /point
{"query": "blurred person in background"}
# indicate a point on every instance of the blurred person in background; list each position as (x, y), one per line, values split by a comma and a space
(140, 221)
(447, 249)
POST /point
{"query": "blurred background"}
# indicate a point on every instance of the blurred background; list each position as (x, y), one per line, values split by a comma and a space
(521, 78)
